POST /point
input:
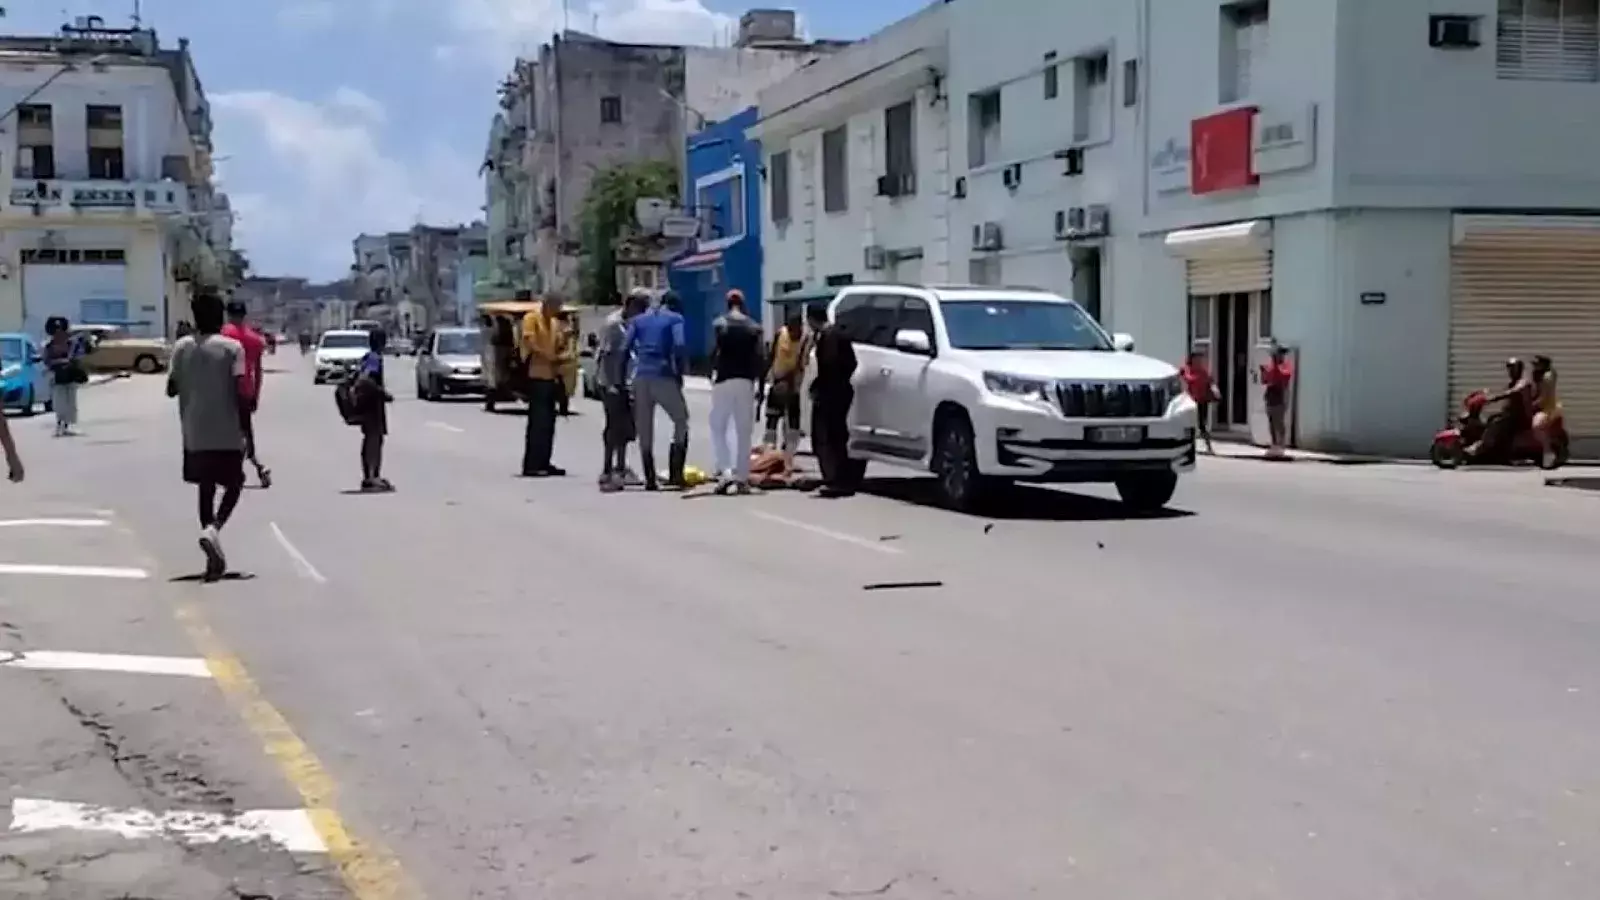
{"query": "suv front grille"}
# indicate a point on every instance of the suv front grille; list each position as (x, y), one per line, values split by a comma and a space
(1111, 400)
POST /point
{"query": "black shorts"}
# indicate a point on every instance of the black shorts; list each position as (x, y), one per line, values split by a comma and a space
(783, 405)
(224, 468)
(618, 405)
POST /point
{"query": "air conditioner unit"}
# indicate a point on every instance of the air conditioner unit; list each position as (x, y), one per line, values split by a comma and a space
(1449, 32)
(1070, 223)
(1073, 157)
(897, 184)
(874, 259)
(1012, 176)
(986, 237)
(1099, 221)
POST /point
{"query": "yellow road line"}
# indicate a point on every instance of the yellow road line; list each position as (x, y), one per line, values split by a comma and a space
(370, 871)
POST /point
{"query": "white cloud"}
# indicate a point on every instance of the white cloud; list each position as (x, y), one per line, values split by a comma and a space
(331, 178)
(498, 30)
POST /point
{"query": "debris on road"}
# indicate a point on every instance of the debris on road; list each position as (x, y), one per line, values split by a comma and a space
(901, 585)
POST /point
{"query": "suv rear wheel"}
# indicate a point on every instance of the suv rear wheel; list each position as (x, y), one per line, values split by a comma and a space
(962, 486)
(1148, 493)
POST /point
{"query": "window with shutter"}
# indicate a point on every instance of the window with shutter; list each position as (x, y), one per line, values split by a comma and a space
(1548, 40)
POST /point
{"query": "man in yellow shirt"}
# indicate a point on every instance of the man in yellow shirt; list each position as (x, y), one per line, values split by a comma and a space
(544, 347)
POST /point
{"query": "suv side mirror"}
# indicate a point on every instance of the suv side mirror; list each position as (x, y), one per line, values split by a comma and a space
(912, 340)
(1122, 341)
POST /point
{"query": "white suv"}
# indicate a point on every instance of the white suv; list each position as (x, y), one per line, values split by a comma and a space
(985, 386)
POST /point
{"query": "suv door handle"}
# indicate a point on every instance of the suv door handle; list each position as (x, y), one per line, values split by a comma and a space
(885, 372)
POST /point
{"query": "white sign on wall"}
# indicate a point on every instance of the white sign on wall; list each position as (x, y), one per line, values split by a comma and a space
(1285, 139)
(1169, 166)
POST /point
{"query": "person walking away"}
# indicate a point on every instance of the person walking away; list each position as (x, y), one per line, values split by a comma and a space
(208, 376)
(544, 340)
(612, 374)
(661, 358)
(63, 356)
(737, 361)
(781, 386)
(1547, 411)
(1202, 389)
(1277, 374)
(371, 399)
(255, 346)
(831, 396)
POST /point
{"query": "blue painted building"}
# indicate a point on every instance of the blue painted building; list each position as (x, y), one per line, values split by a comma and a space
(722, 187)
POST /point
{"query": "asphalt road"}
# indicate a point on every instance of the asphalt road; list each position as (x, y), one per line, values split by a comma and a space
(1311, 682)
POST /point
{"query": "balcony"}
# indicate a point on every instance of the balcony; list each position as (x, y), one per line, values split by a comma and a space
(60, 198)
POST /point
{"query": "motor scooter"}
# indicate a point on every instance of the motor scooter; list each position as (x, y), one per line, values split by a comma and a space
(1449, 450)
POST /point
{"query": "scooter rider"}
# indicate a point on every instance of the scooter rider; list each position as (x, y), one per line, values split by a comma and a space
(1515, 416)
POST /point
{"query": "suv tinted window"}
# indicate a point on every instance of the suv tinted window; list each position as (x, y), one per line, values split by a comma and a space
(883, 316)
(851, 316)
(915, 316)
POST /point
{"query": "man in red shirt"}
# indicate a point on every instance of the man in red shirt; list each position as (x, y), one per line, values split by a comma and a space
(255, 346)
(1277, 374)
(1197, 381)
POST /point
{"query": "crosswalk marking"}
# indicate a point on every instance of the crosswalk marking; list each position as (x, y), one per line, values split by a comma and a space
(115, 572)
(67, 660)
(55, 523)
(291, 829)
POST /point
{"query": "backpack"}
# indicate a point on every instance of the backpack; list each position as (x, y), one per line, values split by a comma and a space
(344, 397)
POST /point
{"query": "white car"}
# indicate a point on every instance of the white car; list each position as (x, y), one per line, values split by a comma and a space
(339, 352)
(985, 386)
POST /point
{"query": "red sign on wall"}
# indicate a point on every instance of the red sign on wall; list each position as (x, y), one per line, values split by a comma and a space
(1220, 151)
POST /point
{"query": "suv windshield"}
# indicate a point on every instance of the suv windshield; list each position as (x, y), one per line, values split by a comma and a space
(996, 324)
(458, 343)
(344, 341)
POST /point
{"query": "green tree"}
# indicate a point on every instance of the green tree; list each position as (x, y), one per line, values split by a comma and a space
(608, 217)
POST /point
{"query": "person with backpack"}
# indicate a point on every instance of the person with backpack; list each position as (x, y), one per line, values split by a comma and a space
(364, 403)
(63, 356)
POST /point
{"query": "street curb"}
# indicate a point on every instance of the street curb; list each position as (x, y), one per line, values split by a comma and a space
(1589, 483)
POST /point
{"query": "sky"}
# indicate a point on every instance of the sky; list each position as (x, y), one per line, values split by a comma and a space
(335, 117)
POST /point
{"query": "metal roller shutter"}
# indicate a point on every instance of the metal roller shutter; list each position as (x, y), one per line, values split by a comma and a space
(1209, 276)
(1526, 291)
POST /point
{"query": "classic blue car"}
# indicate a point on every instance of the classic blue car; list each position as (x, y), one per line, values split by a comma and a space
(24, 380)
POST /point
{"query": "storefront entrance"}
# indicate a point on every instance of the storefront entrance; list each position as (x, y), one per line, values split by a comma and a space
(1228, 328)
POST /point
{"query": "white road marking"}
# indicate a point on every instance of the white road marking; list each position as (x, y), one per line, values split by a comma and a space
(122, 572)
(67, 660)
(289, 828)
(54, 523)
(818, 530)
(299, 559)
(444, 426)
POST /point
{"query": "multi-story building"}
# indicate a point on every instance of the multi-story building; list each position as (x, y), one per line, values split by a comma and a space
(107, 210)
(856, 153)
(588, 104)
(1401, 194)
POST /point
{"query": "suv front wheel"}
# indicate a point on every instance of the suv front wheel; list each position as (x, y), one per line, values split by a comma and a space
(962, 486)
(1149, 492)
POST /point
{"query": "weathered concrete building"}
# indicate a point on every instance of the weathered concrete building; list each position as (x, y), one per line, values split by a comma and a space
(107, 208)
(587, 104)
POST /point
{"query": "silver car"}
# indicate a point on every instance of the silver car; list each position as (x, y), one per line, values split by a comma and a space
(450, 363)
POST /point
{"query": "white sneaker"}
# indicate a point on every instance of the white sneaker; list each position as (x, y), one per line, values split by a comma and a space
(211, 545)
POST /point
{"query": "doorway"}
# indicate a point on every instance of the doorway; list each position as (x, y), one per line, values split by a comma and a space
(1086, 274)
(1228, 328)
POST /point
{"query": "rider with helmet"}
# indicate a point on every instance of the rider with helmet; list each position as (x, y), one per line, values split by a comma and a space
(1515, 416)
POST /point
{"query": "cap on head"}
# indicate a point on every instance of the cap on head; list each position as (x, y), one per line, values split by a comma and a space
(237, 309)
(735, 299)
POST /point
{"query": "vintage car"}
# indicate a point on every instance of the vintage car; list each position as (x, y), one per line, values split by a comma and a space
(111, 348)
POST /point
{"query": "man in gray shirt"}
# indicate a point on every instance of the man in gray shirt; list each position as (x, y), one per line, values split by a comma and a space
(207, 375)
(613, 374)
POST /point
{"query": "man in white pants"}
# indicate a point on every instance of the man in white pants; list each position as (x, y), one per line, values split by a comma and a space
(737, 362)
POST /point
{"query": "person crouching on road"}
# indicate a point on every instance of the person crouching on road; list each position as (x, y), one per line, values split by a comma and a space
(207, 374)
(613, 369)
(786, 373)
(661, 359)
(737, 361)
(831, 397)
(372, 399)
(544, 346)
(254, 347)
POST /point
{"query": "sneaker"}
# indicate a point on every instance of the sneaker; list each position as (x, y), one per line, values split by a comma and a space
(211, 546)
(264, 474)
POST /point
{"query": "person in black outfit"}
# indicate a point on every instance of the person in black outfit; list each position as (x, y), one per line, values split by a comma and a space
(831, 396)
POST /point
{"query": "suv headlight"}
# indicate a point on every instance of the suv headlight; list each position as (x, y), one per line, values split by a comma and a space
(1017, 386)
(1173, 387)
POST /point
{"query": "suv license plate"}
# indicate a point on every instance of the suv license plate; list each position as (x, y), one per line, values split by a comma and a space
(1116, 434)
